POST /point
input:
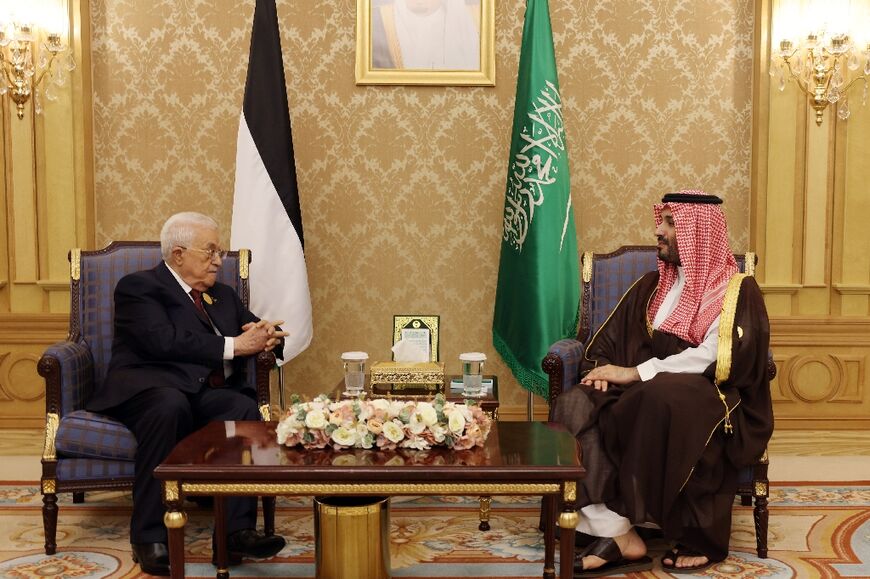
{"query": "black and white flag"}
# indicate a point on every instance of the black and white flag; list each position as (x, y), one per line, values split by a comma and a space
(266, 214)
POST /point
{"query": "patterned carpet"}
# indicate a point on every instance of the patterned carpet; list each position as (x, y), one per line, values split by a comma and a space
(816, 530)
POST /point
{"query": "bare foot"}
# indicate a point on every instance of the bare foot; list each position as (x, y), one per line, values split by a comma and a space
(630, 544)
(686, 560)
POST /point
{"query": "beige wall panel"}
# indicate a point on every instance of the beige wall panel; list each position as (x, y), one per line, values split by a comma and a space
(23, 338)
(822, 378)
(5, 188)
(402, 188)
(854, 239)
(817, 202)
(782, 186)
(22, 201)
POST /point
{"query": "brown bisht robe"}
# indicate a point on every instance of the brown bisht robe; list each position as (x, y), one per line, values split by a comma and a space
(657, 451)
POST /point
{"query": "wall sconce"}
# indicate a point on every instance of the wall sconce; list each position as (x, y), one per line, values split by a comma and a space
(824, 47)
(28, 64)
(822, 69)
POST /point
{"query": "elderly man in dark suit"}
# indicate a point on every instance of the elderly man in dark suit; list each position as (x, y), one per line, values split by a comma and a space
(180, 343)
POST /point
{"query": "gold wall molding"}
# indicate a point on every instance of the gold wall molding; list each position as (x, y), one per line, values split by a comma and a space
(808, 225)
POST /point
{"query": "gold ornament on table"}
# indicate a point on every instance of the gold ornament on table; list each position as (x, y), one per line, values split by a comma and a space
(31, 66)
(824, 65)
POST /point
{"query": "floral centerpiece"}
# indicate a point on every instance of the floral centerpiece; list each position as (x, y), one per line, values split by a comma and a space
(383, 423)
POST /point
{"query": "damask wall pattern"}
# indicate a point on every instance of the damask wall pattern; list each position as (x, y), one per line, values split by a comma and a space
(402, 188)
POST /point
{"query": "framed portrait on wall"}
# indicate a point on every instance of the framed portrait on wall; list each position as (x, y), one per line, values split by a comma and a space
(430, 42)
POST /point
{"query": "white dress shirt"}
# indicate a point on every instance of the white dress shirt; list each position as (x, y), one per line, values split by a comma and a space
(691, 360)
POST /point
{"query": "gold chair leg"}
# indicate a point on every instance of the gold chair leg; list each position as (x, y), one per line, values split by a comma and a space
(485, 504)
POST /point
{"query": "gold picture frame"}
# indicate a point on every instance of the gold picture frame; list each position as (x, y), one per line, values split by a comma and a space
(418, 322)
(378, 45)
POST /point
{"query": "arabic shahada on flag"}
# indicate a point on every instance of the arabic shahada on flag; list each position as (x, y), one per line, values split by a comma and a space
(538, 291)
(266, 215)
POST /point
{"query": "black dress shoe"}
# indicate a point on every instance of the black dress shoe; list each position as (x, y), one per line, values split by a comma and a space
(249, 543)
(153, 558)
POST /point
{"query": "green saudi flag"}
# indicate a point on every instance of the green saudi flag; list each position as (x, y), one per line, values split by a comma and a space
(538, 292)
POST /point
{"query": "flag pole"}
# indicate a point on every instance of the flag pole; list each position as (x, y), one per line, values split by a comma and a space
(530, 407)
(281, 387)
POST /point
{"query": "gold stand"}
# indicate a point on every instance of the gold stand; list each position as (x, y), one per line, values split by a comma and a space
(352, 537)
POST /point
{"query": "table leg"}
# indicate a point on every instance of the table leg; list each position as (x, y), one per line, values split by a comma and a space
(269, 515)
(220, 537)
(548, 508)
(567, 530)
(175, 519)
(485, 505)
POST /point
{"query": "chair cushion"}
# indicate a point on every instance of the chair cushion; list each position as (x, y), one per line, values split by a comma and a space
(84, 434)
(102, 472)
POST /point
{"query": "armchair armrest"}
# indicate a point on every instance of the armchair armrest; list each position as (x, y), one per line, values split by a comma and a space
(68, 369)
(562, 366)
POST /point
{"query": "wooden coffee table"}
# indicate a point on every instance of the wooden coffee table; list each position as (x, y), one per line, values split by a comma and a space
(519, 458)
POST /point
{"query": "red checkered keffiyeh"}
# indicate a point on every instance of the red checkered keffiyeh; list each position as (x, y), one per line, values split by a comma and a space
(708, 263)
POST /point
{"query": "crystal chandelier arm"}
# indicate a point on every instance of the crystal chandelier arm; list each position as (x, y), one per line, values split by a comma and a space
(804, 86)
(38, 78)
(853, 81)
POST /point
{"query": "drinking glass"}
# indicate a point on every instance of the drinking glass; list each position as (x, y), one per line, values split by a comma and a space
(354, 372)
(472, 373)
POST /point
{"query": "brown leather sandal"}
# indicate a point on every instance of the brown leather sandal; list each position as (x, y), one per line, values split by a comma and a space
(607, 549)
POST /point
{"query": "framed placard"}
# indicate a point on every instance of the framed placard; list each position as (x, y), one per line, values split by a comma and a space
(435, 42)
(420, 329)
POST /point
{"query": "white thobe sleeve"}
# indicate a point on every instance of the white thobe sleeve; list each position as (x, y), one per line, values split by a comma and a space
(690, 361)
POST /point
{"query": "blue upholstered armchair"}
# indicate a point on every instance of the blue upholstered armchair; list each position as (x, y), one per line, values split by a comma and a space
(604, 279)
(85, 451)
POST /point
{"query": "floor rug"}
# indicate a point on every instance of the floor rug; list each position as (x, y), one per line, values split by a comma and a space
(816, 530)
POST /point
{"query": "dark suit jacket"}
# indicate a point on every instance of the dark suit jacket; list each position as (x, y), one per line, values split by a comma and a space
(161, 340)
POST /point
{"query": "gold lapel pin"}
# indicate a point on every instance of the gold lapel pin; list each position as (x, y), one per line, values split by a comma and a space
(208, 299)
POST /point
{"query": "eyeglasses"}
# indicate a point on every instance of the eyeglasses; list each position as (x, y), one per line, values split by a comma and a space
(210, 253)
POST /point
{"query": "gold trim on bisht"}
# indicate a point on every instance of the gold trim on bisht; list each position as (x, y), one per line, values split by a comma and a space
(75, 263)
(587, 266)
(244, 260)
(726, 331)
(749, 263)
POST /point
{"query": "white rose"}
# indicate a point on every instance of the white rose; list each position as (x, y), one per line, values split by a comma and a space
(393, 432)
(283, 430)
(427, 413)
(438, 432)
(416, 424)
(365, 439)
(456, 422)
(381, 404)
(365, 411)
(344, 436)
(315, 419)
(395, 407)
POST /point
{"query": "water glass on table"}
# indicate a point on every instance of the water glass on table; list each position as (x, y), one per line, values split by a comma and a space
(354, 372)
(472, 373)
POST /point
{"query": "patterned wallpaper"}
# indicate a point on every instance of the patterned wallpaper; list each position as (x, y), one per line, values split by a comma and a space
(402, 187)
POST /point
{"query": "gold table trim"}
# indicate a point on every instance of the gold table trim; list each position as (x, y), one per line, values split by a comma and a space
(370, 488)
